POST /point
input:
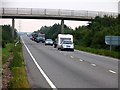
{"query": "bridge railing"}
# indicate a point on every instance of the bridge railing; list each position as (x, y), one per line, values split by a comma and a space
(55, 12)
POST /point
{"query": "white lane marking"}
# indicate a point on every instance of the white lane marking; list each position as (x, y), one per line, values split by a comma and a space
(64, 54)
(40, 69)
(112, 71)
(93, 64)
(80, 60)
(89, 53)
(71, 56)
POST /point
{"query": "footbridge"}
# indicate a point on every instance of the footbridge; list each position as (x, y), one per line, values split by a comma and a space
(59, 14)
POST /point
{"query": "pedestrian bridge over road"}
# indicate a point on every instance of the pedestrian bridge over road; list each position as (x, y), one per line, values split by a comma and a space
(60, 14)
(37, 13)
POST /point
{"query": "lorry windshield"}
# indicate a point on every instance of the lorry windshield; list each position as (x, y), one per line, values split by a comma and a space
(41, 35)
(67, 42)
(62, 39)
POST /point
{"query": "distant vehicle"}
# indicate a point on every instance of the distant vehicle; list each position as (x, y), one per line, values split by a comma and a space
(67, 45)
(34, 36)
(62, 37)
(40, 38)
(49, 42)
(29, 34)
(31, 37)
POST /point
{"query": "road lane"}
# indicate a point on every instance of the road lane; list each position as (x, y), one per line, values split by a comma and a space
(66, 71)
(35, 78)
(103, 61)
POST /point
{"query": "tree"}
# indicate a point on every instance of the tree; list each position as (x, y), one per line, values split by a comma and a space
(7, 34)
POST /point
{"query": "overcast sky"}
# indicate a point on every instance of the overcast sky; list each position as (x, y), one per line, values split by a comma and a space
(31, 25)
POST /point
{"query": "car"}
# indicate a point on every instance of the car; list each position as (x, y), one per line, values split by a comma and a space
(67, 45)
(32, 38)
(49, 42)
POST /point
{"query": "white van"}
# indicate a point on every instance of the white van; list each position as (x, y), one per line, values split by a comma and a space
(67, 45)
(61, 38)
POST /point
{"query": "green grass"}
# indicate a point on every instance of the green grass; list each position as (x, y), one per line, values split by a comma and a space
(19, 79)
(17, 67)
(0, 62)
(113, 54)
(6, 52)
(0, 56)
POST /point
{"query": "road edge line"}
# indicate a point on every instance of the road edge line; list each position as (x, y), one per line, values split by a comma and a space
(40, 69)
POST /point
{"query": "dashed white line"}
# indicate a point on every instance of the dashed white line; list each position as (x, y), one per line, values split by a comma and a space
(40, 69)
(112, 71)
(71, 56)
(80, 60)
(96, 55)
(64, 54)
(93, 64)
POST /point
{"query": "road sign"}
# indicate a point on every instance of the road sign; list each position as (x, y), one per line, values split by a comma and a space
(112, 40)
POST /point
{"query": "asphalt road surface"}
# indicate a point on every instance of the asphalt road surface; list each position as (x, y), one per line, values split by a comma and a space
(67, 69)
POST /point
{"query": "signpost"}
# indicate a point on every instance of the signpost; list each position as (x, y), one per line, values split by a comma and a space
(112, 40)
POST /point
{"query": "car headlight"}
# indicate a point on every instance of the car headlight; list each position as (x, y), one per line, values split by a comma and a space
(64, 46)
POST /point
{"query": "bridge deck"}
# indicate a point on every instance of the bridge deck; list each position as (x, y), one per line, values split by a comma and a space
(36, 13)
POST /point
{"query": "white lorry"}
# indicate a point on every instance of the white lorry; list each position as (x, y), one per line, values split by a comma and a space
(62, 45)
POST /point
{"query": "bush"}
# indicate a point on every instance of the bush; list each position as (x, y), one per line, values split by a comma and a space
(16, 62)
(113, 54)
(3, 44)
(19, 79)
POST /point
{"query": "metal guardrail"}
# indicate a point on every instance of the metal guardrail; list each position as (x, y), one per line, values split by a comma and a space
(55, 12)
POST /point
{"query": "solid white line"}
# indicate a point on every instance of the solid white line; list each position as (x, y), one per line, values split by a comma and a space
(40, 69)
(93, 64)
(112, 71)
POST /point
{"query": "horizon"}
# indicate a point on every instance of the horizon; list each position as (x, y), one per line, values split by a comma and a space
(30, 25)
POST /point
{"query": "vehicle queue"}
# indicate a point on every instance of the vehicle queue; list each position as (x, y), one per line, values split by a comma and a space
(62, 42)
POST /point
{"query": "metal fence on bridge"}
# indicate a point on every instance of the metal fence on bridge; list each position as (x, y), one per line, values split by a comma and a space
(55, 12)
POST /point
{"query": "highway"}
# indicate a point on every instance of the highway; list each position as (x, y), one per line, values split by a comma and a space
(67, 69)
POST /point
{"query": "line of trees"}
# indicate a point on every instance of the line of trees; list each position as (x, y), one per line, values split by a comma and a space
(92, 36)
(6, 31)
(53, 31)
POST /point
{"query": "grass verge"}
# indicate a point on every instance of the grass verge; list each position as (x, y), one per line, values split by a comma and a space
(17, 67)
(6, 52)
(0, 61)
(0, 53)
(99, 51)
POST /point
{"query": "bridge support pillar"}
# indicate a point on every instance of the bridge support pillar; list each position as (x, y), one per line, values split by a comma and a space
(13, 27)
(62, 26)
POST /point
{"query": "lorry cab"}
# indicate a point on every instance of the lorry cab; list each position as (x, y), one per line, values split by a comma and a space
(62, 37)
